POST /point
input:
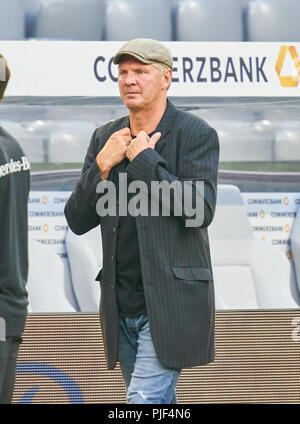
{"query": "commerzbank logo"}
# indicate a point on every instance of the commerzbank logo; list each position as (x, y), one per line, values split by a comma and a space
(293, 79)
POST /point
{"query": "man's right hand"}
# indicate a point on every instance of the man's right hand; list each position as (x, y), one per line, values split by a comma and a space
(113, 152)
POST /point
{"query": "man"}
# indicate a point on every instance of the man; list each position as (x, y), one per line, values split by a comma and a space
(14, 190)
(157, 296)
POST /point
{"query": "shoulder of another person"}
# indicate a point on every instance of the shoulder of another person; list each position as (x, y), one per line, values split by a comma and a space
(10, 143)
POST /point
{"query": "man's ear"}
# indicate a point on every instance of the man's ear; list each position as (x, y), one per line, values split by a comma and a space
(167, 79)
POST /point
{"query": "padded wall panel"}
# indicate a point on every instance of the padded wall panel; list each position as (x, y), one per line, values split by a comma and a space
(61, 360)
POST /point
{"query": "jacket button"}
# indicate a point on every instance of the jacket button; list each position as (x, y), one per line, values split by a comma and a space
(112, 259)
(114, 229)
(112, 286)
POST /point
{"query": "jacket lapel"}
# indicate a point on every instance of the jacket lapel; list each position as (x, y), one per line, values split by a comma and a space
(120, 167)
(165, 125)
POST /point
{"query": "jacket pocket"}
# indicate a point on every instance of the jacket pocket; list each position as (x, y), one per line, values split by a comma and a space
(192, 273)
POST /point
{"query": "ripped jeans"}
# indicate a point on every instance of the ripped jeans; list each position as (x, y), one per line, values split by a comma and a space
(146, 379)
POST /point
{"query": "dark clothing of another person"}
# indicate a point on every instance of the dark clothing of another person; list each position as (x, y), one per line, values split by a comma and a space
(14, 191)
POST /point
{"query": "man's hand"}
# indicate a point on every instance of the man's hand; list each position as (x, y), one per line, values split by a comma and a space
(114, 151)
(140, 143)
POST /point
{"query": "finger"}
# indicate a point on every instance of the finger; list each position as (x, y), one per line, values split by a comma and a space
(154, 139)
(142, 133)
(124, 131)
(129, 154)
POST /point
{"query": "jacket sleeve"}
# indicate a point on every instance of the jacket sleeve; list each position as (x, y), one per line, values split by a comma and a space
(198, 163)
(80, 209)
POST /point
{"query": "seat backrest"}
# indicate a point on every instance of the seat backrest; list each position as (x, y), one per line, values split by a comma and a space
(49, 284)
(231, 240)
(230, 232)
(295, 246)
(213, 20)
(127, 19)
(248, 272)
(85, 260)
(270, 20)
(71, 20)
(12, 24)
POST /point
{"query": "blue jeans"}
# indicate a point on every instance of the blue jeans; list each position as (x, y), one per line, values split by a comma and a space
(146, 379)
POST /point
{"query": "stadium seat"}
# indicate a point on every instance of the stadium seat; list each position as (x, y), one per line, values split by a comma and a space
(49, 285)
(213, 20)
(71, 20)
(248, 272)
(12, 26)
(127, 19)
(270, 20)
(295, 246)
(85, 260)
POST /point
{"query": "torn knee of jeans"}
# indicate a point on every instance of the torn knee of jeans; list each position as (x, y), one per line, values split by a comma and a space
(143, 396)
(138, 393)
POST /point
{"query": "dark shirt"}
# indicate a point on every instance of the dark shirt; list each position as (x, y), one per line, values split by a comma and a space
(129, 287)
(14, 190)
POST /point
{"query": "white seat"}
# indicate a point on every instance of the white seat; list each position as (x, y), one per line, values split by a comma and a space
(295, 246)
(248, 272)
(127, 19)
(85, 260)
(71, 20)
(269, 20)
(213, 20)
(12, 25)
(49, 284)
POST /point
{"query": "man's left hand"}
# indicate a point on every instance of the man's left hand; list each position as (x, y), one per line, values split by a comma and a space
(140, 143)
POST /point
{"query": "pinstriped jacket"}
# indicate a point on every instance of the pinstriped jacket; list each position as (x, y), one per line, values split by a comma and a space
(175, 259)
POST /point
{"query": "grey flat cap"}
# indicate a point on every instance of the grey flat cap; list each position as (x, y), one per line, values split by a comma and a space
(147, 51)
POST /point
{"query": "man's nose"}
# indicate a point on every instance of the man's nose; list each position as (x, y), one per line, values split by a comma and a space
(130, 78)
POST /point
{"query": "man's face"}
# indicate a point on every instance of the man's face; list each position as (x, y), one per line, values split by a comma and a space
(141, 86)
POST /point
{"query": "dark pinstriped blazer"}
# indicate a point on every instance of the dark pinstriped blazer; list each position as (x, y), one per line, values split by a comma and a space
(175, 260)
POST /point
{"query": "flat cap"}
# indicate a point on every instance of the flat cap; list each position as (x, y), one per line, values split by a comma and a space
(145, 50)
